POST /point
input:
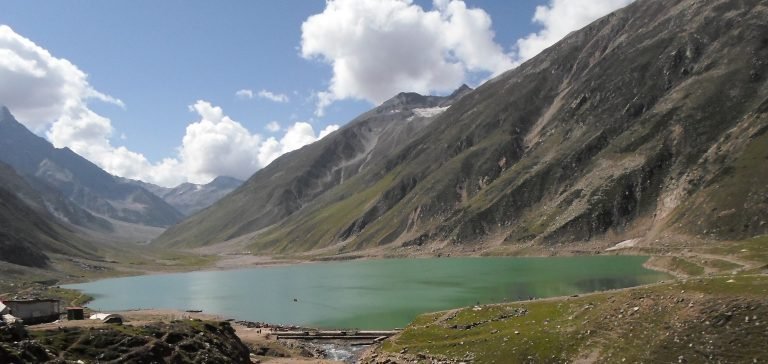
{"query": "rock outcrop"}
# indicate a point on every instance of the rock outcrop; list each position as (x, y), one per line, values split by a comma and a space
(190, 341)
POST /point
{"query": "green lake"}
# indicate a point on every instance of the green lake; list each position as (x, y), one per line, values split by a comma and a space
(367, 294)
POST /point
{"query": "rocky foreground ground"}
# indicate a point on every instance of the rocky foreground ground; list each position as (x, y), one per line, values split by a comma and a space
(188, 341)
(153, 336)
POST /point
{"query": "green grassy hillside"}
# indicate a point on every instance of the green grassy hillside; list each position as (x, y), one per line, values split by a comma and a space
(718, 319)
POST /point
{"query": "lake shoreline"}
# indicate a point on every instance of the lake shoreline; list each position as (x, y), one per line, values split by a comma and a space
(260, 335)
(228, 262)
(210, 261)
(651, 263)
(330, 295)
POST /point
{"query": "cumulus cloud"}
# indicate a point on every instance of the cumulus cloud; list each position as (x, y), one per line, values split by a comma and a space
(51, 95)
(273, 126)
(328, 130)
(297, 136)
(271, 96)
(42, 89)
(378, 48)
(214, 145)
(558, 19)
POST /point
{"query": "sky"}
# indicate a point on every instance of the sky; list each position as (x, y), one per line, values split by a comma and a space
(186, 90)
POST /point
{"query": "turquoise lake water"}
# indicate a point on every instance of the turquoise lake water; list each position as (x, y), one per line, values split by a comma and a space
(367, 294)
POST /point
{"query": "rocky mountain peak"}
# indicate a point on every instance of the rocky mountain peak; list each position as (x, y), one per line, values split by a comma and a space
(5, 114)
(413, 100)
(405, 99)
(225, 182)
(461, 91)
(85, 184)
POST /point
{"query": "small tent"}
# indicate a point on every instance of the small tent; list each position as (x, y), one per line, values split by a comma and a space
(109, 318)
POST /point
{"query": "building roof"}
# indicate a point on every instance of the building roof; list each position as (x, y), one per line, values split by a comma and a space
(31, 300)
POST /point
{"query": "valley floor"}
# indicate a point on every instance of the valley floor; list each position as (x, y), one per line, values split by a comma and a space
(715, 310)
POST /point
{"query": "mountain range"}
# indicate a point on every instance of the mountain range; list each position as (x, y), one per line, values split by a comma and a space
(64, 187)
(648, 124)
(79, 180)
(28, 231)
(190, 198)
(297, 179)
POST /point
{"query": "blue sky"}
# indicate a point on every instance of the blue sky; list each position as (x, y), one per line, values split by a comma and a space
(160, 57)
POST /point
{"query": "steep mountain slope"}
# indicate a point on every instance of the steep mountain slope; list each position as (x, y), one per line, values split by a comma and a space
(27, 231)
(80, 181)
(296, 179)
(190, 198)
(649, 123)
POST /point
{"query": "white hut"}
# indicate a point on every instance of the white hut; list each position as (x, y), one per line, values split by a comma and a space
(109, 318)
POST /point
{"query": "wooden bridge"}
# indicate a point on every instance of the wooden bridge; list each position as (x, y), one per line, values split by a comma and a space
(374, 336)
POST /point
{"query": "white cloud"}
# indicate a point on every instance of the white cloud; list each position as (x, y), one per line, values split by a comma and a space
(378, 48)
(297, 136)
(42, 89)
(244, 94)
(51, 95)
(268, 95)
(263, 94)
(273, 126)
(559, 18)
(328, 129)
(216, 145)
